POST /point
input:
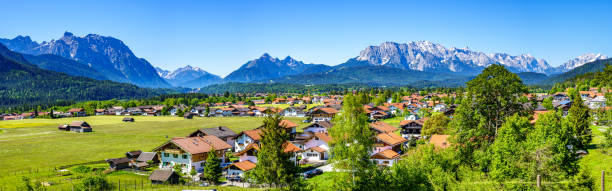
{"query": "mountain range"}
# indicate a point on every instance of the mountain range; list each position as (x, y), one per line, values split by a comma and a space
(26, 85)
(188, 76)
(106, 55)
(390, 63)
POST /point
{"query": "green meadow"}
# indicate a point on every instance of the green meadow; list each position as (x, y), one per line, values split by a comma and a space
(37, 143)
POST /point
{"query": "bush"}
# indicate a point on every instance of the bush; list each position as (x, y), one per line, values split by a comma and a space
(82, 169)
(95, 183)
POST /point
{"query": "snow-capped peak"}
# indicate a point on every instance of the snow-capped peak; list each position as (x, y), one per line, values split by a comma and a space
(581, 60)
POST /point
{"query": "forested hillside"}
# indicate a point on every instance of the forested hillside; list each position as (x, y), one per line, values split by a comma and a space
(26, 85)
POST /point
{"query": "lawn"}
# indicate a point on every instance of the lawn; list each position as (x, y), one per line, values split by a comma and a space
(37, 143)
(599, 159)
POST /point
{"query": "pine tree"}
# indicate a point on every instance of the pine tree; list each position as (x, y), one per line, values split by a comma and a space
(578, 119)
(274, 166)
(212, 171)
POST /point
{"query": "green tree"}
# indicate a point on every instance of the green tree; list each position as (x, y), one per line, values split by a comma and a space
(578, 119)
(496, 92)
(212, 171)
(274, 166)
(352, 143)
(492, 96)
(547, 148)
(547, 103)
(508, 149)
(436, 124)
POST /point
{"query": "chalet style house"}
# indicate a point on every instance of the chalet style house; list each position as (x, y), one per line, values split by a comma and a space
(190, 152)
(323, 114)
(318, 127)
(244, 138)
(412, 128)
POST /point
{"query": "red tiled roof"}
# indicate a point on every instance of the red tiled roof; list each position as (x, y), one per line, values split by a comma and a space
(255, 134)
(383, 127)
(287, 124)
(244, 165)
(440, 141)
(196, 145)
(386, 154)
(391, 138)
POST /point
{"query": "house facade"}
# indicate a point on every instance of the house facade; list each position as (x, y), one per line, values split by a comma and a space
(191, 152)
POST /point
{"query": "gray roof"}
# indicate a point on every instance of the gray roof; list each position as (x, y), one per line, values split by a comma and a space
(221, 131)
(161, 175)
(146, 156)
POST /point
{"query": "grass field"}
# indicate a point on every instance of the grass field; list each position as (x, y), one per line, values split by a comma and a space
(599, 159)
(37, 143)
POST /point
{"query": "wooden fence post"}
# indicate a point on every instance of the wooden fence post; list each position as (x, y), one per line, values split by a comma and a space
(603, 180)
(538, 181)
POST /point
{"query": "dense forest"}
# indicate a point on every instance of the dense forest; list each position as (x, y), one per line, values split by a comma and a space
(25, 85)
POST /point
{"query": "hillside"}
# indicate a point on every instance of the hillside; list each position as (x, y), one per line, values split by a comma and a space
(594, 66)
(107, 55)
(26, 85)
(64, 65)
(372, 75)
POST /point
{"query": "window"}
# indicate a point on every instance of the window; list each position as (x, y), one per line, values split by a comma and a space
(175, 155)
(184, 156)
(166, 155)
(386, 162)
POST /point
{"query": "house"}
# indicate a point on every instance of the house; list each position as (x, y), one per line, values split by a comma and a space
(315, 154)
(293, 112)
(188, 115)
(164, 177)
(128, 119)
(382, 127)
(564, 106)
(78, 126)
(388, 141)
(133, 154)
(289, 126)
(222, 132)
(411, 128)
(440, 141)
(13, 117)
(245, 138)
(101, 111)
(118, 163)
(134, 111)
(318, 127)
(77, 112)
(237, 170)
(279, 101)
(323, 114)
(259, 102)
(385, 158)
(317, 147)
(191, 152)
(148, 156)
(27, 115)
(142, 161)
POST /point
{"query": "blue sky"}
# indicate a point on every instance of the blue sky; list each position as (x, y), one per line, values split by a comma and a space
(220, 36)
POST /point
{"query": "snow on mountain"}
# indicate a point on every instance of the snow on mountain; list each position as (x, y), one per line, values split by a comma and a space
(428, 56)
(107, 55)
(579, 61)
(188, 76)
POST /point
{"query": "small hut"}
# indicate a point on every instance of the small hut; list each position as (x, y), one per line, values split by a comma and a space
(164, 176)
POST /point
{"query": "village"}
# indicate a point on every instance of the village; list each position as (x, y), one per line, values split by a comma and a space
(184, 157)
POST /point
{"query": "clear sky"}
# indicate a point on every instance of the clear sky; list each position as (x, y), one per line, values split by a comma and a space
(220, 36)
